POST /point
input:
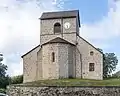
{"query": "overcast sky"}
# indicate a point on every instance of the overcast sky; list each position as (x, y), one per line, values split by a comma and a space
(20, 26)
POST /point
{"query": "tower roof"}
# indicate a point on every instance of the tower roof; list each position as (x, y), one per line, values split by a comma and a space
(61, 14)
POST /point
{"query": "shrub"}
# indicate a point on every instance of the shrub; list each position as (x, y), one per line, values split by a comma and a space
(2, 90)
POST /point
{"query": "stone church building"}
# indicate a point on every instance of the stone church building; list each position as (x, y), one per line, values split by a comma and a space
(62, 52)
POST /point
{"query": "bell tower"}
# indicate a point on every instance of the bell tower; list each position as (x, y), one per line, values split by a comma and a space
(63, 24)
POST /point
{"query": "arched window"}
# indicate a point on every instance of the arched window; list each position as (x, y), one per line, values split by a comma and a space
(57, 28)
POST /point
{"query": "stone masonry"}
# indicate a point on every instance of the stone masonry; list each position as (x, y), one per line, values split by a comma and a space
(71, 53)
(63, 91)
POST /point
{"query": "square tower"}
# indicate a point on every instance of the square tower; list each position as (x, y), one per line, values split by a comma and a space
(62, 53)
(63, 24)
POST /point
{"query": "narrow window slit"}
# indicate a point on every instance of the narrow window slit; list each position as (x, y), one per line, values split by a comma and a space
(53, 57)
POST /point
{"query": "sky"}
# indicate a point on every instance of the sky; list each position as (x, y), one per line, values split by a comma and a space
(20, 26)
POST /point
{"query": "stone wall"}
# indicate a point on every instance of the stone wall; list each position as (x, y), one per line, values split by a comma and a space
(63, 91)
(63, 60)
(50, 68)
(30, 59)
(47, 30)
(97, 58)
(39, 65)
(78, 64)
(47, 26)
(64, 64)
(71, 61)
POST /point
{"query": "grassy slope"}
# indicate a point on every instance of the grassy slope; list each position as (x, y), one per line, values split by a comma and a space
(75, 82)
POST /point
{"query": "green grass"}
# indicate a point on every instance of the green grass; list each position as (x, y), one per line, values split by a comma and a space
(74, 82)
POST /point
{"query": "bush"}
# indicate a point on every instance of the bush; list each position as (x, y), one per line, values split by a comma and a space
(2, 90)
(17, 79)
(4, 81)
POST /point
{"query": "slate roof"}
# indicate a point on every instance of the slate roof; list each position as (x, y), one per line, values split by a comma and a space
(58, 40)
(60, 14)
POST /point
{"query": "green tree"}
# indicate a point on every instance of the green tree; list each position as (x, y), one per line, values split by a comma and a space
(17, 79)
(4, 79)
(3, 69)
(110, 62)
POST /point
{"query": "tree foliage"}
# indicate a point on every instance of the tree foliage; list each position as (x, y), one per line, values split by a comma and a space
(110, 62)
(17, 79)
(2, 90)
(4, 79)
(3, 69)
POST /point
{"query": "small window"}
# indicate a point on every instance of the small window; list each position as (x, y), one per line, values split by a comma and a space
(57, 28)
(91, 67)
(91, 53)
(53, 57)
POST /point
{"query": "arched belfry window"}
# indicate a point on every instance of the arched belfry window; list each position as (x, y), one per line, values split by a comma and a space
(57, 28)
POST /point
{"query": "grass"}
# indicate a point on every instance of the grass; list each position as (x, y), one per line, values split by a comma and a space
(74, 82)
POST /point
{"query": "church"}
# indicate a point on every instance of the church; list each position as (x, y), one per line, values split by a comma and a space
(62, 52)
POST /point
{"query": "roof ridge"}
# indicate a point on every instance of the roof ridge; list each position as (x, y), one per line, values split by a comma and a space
(61, 11)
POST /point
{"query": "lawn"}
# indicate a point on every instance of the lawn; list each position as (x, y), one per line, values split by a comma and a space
(74, 82)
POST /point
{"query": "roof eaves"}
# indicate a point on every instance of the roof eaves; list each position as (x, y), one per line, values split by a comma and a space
(75, 12)
(90, 44)
(30, 51)
(66, 42)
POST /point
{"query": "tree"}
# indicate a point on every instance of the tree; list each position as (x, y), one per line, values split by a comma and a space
(17, 79)
(3, 67)
(110, 62)
(4, 79)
